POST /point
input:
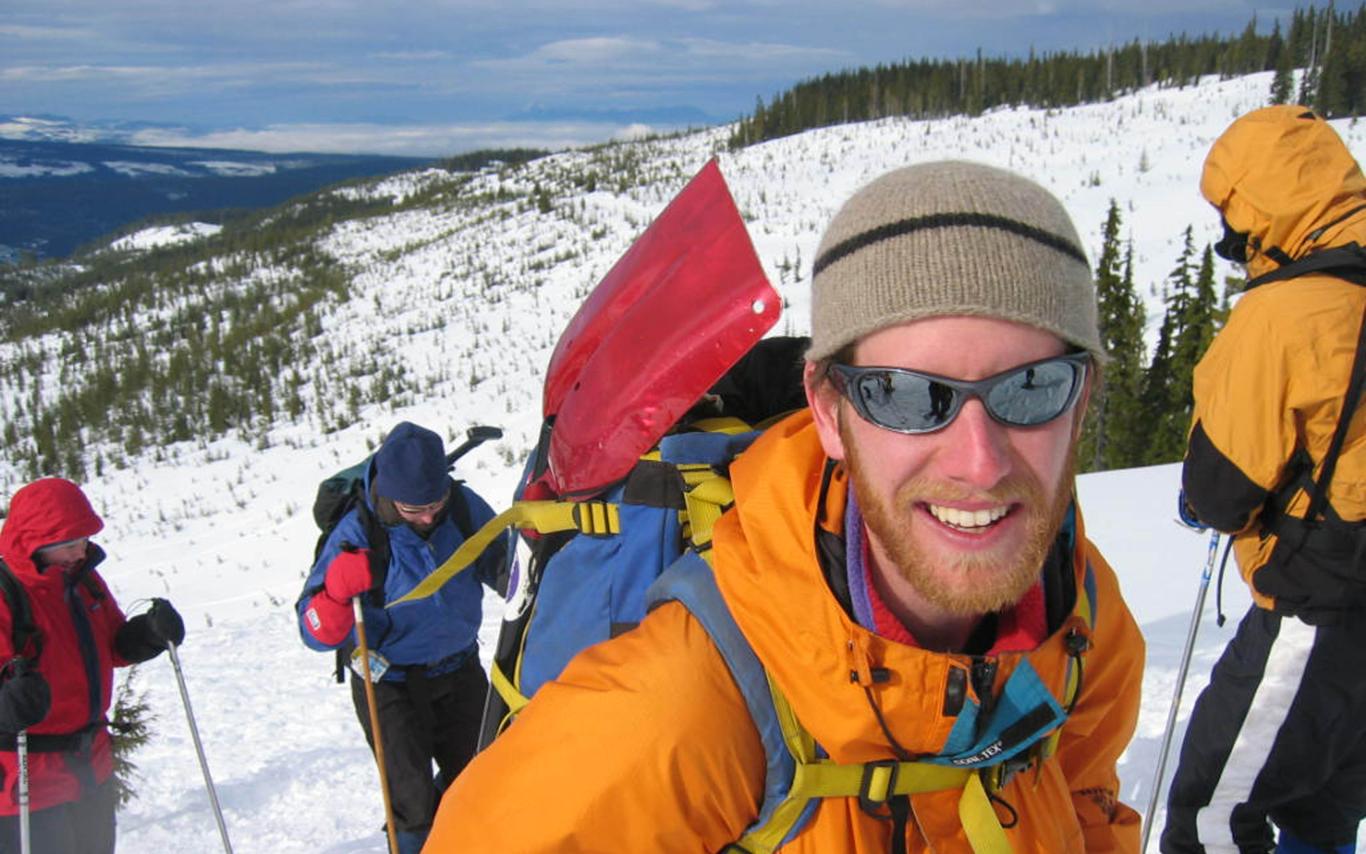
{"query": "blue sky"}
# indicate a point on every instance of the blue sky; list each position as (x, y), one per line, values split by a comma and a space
(436, 77)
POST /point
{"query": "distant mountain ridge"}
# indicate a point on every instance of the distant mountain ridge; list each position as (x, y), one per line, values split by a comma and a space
(45, 127)
(56, 195)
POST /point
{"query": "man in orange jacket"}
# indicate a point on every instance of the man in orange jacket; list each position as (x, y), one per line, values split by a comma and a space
(906, 560)
(1276, 737)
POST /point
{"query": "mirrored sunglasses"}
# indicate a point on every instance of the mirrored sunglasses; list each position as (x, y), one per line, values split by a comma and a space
(907, 401)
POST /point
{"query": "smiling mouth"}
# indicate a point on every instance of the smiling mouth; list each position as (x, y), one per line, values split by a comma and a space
(968, 520)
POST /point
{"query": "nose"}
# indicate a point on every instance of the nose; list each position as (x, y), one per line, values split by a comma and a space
(427, 517)
(976, 452)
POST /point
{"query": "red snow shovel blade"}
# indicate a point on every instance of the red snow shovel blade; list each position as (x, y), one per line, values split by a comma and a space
(684, 303)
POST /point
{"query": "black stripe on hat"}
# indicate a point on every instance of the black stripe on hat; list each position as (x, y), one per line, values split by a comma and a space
(945, 220)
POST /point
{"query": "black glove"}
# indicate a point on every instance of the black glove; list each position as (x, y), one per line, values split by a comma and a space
(165, 623)
(24, 696)
(146, 635)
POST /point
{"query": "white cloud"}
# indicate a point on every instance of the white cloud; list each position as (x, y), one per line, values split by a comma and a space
(411, 55)
(595, 50)
(44, 33)
(61, 73)
(607, 55)
(435, 140)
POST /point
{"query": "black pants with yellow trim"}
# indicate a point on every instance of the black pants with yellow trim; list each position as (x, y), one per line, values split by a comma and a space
(436, 720)
(1278, 737)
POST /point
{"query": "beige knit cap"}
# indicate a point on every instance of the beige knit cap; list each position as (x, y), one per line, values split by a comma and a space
(950, 238)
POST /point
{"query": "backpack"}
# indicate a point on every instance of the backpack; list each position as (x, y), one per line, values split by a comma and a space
(592, 560)
(344, 491)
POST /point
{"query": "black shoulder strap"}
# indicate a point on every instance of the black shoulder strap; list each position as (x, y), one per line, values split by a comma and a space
(23, 631)
(1349, 406)
(377, 539)
(459, 511)
(1346, 262)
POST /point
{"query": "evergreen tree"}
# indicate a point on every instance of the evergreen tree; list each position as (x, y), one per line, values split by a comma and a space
(1197, 324)
(1342, 73)
(1157, 383)
(1188, 326)
(1282, 59)
(130, 728)
(1113, 436)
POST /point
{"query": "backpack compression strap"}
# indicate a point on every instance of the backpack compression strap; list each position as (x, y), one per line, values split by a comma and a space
(587, 517)
(795, 775)
(712, 496)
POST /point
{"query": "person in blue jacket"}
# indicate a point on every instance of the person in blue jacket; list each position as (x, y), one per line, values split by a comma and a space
(430, 685)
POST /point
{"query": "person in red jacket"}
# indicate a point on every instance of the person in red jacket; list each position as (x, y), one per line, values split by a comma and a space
(57, 687)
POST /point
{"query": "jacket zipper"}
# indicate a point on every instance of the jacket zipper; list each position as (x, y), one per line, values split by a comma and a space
(984, 683)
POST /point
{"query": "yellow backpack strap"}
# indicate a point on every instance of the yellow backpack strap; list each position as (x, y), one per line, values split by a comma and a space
(791, 750)
(873, 783)
(721, 424)
(706, 495)
(513, 698)
(980, 824)
(588, 517)
(707, 492)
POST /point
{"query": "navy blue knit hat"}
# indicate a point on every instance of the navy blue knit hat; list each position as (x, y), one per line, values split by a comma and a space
(410, 466)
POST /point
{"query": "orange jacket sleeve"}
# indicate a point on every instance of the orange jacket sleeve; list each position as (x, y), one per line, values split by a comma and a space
(643, 744)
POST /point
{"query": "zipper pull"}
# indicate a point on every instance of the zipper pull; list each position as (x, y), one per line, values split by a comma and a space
(984, 683)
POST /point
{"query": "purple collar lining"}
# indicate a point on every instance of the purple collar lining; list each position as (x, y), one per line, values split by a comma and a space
(854, 564)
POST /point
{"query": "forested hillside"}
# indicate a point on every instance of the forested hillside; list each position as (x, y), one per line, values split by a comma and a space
(1329, 45)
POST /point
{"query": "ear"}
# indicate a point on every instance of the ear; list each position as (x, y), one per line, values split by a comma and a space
(824, 401)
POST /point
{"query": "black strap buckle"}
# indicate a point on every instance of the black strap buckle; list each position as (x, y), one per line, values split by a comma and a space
(878, 807)
(999, 776)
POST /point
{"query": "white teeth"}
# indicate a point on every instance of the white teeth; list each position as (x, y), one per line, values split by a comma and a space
(967, 519)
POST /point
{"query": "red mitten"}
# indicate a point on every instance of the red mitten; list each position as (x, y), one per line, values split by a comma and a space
(328, 620)
(348, 575)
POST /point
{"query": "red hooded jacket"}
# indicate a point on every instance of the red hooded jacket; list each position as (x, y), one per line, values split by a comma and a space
(76, 660)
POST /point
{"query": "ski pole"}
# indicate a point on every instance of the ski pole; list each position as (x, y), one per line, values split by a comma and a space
(21, 745)
(199, 746)
(1180, 683)
(374, 724)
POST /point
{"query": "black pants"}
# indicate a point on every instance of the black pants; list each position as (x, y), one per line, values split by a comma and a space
(1278, 736)
(424, 720)
(85, 826)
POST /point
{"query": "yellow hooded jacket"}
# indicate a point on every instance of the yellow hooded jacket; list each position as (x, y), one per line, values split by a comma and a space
(644, 743)
(1270, 388)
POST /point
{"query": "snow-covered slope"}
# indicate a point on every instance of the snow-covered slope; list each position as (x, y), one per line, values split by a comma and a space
(471, 299)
